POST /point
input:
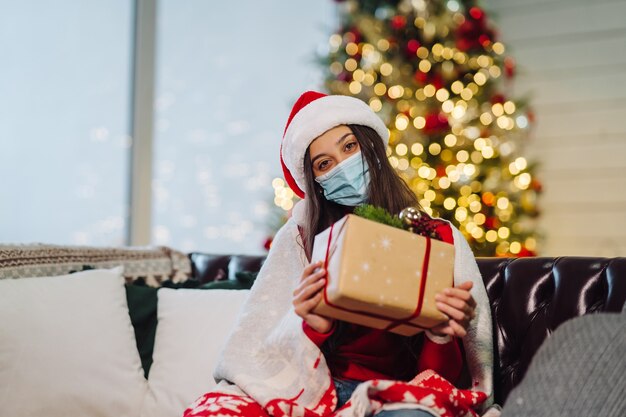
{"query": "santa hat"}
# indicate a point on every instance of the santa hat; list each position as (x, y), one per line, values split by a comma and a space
(313, 114)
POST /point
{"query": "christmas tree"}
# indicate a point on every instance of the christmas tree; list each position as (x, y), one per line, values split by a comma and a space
(438, 76)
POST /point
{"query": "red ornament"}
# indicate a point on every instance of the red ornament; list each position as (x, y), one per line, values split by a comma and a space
(497, 98)
(484, 40)
(509, 67)
(421, 77)
(477, 13)
(492, 223)
(473, 33)
(435, 123)
(398, 22)
(354, 35)
(412, 46)
(267, 244)
(345, 76)
(536, 185)
(441, 171)
(526, 253)
(436, 80)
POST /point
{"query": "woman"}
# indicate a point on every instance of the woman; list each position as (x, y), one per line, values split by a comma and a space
(282, 359)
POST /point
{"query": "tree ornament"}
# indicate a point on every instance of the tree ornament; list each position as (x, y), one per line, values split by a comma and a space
(509, 67)
(418, 222)
(398, 22)
(410, 217)
(435, 123)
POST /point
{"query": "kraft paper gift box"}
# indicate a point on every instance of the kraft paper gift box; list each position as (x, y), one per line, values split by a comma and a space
(382, 277)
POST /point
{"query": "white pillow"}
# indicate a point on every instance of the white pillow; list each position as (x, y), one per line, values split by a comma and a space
(192, 328)
(67, 347)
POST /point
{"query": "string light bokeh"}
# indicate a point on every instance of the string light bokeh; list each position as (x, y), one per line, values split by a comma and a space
(437, 75)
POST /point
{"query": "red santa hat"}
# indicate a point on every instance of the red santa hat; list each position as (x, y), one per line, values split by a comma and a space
(313, 114)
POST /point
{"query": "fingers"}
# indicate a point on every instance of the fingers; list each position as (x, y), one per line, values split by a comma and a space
(450, 328)
(457, 328)
(308, 305)
(309, 291)
(310, 268)
(457, 292)
(457, 303)
(450, 311)
(308, 279)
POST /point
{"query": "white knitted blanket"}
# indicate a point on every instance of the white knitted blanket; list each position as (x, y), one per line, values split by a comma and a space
(268, 357)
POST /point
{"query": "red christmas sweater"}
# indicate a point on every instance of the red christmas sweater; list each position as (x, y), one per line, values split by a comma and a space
(367, 354)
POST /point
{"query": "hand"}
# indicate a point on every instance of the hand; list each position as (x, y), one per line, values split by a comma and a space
(308, 294)
(458, 304)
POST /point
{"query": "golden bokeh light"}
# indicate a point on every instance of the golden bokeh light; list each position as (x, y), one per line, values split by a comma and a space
(386, 69)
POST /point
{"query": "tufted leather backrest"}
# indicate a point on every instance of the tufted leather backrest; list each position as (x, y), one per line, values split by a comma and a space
(530, 298)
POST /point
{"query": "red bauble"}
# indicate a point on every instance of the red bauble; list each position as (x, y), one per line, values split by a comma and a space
(268, 243)
(484, 40)
(509, 67)
(412, 46)
(473, 33)
(477, 13)
(497, 98)
(441, 171)
(421, 77)
(354, 35)
(492, 223)
(526, 253)
(436, 80)
(398, 22)
(435, 123)
(345, 76)
(536, 185)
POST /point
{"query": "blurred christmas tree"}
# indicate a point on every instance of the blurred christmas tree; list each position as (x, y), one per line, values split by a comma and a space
(436, 74)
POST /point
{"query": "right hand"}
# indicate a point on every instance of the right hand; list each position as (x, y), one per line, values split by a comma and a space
(308, 294)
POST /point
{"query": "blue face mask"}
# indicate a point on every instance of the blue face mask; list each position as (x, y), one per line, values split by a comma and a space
(347, 183)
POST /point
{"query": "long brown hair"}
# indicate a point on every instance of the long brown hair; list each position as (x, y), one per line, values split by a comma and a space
(386, 189)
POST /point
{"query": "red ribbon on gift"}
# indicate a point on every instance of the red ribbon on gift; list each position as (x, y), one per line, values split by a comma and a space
(394, 322)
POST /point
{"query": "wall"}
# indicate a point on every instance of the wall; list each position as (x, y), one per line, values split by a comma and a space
(571, 57)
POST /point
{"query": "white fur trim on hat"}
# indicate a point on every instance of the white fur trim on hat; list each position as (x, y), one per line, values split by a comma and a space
(316, 118)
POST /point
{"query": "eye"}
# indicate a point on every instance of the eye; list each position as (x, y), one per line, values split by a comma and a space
(351, 146)
(323, 165)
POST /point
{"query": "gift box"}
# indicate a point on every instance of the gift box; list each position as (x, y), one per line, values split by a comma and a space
(381, 276)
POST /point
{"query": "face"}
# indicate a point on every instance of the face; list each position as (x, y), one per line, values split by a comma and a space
(331, 148)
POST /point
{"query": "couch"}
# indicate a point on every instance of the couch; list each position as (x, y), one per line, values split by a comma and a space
(73, 363)
(530, 298)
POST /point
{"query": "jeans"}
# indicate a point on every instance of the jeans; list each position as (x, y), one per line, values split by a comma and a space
(345, 387)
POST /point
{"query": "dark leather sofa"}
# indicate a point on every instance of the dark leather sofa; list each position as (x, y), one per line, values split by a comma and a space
(530, 298)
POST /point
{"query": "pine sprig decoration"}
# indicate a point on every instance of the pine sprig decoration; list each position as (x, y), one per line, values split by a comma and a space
(379, 215)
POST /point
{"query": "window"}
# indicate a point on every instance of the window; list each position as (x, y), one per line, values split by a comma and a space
(226, 76)
(64, 118)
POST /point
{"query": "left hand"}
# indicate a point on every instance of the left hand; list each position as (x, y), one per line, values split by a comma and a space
(458, 304)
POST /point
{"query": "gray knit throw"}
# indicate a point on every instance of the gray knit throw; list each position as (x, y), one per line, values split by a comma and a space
(579, 371)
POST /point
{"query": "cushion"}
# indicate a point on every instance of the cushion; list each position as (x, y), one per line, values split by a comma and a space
(192, 327)
(142, 304)
(67, 347)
